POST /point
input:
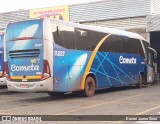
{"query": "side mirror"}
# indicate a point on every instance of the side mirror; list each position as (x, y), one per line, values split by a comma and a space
(154, 52)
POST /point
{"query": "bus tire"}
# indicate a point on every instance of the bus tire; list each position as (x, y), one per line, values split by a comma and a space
(140, 82)
(55, 94)
(89, 88)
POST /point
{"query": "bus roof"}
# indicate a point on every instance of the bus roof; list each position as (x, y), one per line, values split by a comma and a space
(95, 28)
(101, 29)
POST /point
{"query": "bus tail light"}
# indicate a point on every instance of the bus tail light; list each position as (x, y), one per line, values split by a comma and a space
(46, 70)
(6, 72)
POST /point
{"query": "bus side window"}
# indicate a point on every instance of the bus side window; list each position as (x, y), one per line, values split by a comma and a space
(150, 57)
(57, 36)
(64, 36)
(69, 38)
(98, 36)
(132, 46)
(140, 49)
(146, 45)
(112, 44)
(83, 38)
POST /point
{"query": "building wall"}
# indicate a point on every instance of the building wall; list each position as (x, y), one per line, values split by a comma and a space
(109, 9)
(7, 17)
(123, 14)
(136, 24)
(153, 23)
(155, 7)
(124, 23)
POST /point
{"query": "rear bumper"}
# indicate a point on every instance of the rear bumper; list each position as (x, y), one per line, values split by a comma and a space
(3, 81)
(41, 86)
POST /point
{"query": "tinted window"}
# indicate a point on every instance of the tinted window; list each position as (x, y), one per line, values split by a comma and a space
(149, 54)
(74, 38)
(24, 29)
(121, 44)
(65, 36)
(141, 52)
(84, 39)
(131, 45)
(112, 44)
(98, 36)
(135, 47)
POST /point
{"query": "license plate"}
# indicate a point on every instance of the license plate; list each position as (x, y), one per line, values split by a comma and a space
(24, 85)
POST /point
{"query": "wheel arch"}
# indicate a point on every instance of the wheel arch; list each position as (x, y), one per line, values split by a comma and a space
(141, 72)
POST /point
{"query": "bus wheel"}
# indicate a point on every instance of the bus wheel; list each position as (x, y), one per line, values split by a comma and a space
(89, 88)
(140, 82)
(55, 94)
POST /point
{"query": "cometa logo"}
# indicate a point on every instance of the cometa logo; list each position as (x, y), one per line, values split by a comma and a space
(123, 60)
(25, 68)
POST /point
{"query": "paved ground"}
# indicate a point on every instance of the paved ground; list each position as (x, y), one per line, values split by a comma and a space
(118, 101)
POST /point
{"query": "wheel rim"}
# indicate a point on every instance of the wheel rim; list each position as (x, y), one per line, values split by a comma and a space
(90, 87)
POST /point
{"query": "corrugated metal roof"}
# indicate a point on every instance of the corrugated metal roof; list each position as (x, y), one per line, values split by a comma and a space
(109, 9)
(7, 17)
(123, 23)
(106, 13)
(137, 24)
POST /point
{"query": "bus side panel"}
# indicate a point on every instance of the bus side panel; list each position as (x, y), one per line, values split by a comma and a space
(112, 69)
(69, 67)
(1, 54)
(60, 78)
(2, 79)
(99, 67)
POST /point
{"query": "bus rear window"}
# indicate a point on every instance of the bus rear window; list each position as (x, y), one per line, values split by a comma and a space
(30, 29)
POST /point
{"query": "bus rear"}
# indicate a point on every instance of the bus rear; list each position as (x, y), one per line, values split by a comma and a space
(28, 66)
(2, 72)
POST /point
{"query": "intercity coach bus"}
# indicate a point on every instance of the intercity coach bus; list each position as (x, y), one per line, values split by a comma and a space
(3, 81)
(58, 57)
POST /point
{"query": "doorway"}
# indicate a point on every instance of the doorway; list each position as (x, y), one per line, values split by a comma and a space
(155, 43)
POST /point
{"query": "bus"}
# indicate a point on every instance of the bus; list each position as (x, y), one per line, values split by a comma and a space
(57, 57)
(3, 81)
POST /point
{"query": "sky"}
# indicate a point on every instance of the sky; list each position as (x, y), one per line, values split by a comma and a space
(15, 5)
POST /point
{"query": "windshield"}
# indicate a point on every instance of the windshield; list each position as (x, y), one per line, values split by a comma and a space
(31, 29)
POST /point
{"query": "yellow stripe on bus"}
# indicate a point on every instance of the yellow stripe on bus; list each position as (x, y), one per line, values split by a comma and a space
(27, 77)
(0, 74)
(91, 60)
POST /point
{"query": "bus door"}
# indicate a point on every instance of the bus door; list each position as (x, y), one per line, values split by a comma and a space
(151, 64)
